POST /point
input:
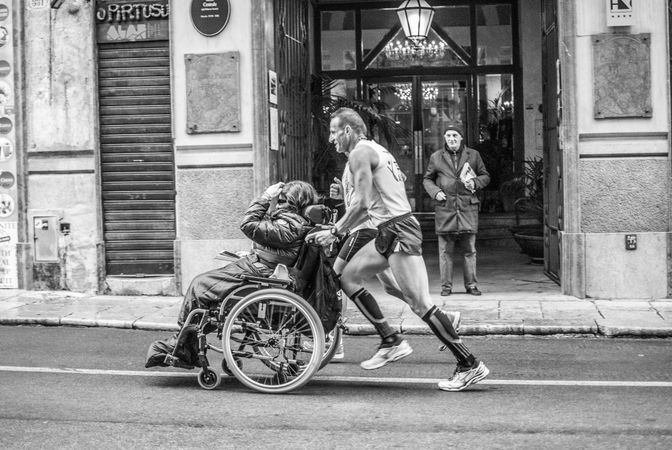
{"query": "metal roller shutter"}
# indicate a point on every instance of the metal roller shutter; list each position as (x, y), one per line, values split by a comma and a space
(138, 176)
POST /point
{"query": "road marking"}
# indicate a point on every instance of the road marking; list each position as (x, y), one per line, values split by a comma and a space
(343, 379)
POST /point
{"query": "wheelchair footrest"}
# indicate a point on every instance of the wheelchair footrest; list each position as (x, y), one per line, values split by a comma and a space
(174, 361)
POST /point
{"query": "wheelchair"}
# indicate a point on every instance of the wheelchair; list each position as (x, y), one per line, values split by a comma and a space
(272, 340)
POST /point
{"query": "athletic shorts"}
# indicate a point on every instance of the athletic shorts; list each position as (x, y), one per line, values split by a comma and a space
(355, 241)
(401, 234)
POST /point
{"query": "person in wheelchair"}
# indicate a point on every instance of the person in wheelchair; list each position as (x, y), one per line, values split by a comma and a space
(276, 226)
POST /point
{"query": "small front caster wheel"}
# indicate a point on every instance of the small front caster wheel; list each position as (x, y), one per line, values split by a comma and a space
(208, 379)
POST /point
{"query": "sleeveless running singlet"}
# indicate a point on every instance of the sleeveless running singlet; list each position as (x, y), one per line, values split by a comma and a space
(348, 191)
(388, 196)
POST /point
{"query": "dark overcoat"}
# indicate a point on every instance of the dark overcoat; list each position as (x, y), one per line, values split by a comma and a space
(459, 213)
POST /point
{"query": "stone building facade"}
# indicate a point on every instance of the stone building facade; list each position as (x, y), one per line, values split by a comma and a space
(141, 129)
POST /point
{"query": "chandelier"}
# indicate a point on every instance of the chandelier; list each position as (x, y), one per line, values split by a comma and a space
(416, 19)
(403, 91)
(422, 52)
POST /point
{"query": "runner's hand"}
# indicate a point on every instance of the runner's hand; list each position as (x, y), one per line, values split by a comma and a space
(440, 196)
(322, 238)
(336, 189)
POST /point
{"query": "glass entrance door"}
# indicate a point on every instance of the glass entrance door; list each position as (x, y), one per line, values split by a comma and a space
(418, 110)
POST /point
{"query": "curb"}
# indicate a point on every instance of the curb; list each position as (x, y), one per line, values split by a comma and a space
(499, 329)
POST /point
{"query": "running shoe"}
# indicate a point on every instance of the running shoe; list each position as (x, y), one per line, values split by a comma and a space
(462, 380)
(387, 355)
(340, 353)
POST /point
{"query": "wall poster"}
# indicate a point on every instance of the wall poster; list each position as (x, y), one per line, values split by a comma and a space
(8, 189)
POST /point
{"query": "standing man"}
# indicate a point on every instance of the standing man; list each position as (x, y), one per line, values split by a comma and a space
(379, 194)
(452, 178)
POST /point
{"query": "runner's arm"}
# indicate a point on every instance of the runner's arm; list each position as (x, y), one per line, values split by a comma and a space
(361, 162)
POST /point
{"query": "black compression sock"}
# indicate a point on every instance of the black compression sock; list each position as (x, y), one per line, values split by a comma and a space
(440, 324)
(369, 307)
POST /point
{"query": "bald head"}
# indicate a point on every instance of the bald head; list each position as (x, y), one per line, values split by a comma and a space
(348, 116)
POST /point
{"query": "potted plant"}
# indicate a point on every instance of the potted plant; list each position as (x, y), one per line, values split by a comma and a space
(530, 237)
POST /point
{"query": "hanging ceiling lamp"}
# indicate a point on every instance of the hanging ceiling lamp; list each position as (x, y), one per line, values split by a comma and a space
(416, 19)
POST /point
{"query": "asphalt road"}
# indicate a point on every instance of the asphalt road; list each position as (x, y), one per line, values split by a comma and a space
(542, 393)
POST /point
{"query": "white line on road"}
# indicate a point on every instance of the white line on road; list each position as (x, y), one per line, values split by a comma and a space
(344, 379)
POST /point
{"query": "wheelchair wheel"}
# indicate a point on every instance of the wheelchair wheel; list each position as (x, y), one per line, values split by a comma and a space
(208, 378)
(331, 347)
(273, 341)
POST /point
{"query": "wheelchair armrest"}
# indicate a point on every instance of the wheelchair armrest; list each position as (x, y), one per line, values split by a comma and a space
(277, 282)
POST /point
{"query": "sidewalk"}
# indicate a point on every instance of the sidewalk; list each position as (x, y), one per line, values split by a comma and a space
(517, 299)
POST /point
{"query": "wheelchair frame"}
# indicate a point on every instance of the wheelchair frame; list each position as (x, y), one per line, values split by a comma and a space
(267, 353)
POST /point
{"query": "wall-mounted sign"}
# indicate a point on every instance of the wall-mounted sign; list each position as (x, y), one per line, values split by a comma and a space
(132, 20)
(273, 128)
(10, 200)
(213, 92)
(620, 13)
(6, 205)
(5, 125)
(6, 180)
(5, 94)
(272, 87)
(210, 17)
(37, 4)
(6, 149)
(4, 35)
(5, 68)
(618, 91)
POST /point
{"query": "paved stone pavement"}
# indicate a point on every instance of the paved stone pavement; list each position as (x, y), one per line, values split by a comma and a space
(517, 299)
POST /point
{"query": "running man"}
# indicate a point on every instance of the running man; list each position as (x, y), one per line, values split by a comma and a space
(379, 194)
(358, 237)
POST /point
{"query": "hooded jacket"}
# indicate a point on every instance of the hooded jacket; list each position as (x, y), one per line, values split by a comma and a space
(277, 237)
(459, 212)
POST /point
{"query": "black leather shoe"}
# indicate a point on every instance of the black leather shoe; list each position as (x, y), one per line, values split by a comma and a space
(473, 291)
(445, 292)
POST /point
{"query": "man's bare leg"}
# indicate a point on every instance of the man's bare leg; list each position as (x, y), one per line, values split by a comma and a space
(366, 263)
(411, 274)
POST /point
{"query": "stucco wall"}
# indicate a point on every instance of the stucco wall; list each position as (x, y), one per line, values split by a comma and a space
(59, 79)
(60, 133)
(71, 198)
(624, 195)
(215, 171)
(212, 202)
(614, 272)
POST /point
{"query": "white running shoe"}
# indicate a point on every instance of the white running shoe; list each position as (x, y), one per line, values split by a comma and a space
(462, 380)
(387, 355)
(340, 353)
